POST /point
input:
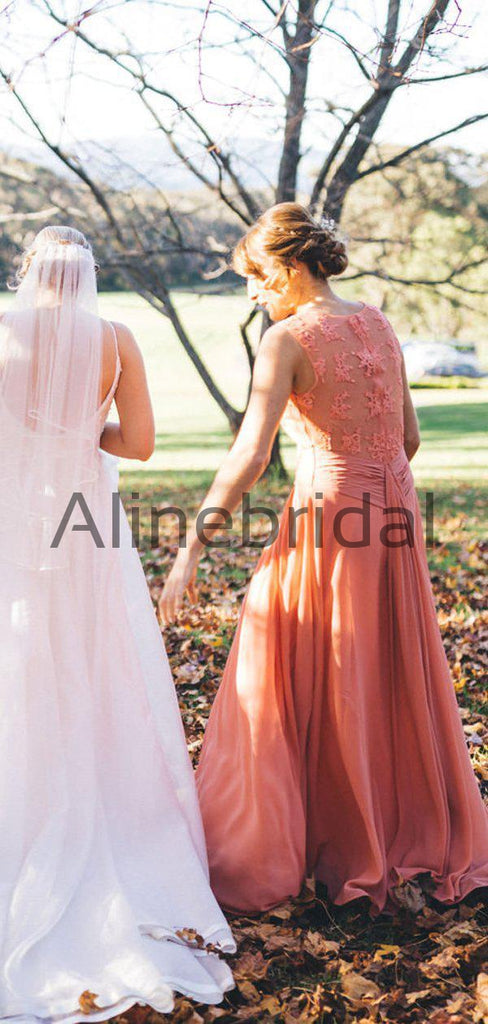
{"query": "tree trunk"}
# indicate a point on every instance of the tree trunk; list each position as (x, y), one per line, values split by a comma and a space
(298, 57)
(347, 172)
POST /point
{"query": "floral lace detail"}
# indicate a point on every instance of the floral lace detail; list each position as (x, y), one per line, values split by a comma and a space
(342, 368)
(327, 327)
(379, 401)
(351, 442)
(384, 445)
(340, 406)
(308, 341)
(359, 327)
(306, 336)
(320, 368)
(379, 318)
(384, 325)
(305, 400)
(355, 404)
(394, 346)
(370, 361)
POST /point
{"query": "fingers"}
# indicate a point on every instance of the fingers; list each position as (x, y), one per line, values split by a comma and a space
(169, 606)
(166, 606)
(171, 600)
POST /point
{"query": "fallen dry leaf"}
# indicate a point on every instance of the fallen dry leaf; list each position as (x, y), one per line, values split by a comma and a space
(252, 966)
(184, 1013)
(190, 937)
(482, 995)
(287, 940)
(413, 997)
(387, 953)
(248, 991)
(358, 989)
(87, 1002)
(318, 946)
(409, 895)
(421, 966)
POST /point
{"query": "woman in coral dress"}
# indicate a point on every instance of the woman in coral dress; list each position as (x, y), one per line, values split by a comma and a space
(334, 747)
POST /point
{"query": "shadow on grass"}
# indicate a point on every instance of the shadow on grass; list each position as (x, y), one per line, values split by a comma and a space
(200, 441)
(452, 422)
(437, 423)
(193, 441)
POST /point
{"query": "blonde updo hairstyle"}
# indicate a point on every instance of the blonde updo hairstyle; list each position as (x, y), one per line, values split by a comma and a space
(52, 235)
(287, 232)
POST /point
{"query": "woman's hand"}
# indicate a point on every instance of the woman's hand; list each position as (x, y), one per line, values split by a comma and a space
(181, 580)
(277, 361)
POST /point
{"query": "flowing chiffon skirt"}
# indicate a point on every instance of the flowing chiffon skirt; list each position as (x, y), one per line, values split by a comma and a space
(102, 855)
(334, 746)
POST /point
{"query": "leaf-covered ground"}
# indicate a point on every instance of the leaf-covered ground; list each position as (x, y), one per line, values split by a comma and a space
(308, 960)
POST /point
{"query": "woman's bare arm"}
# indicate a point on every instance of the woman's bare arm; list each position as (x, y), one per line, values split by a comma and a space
(411, 440)
(275, 370)
(133, 437)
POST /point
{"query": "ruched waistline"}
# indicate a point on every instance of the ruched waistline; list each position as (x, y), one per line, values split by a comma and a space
(353, 475)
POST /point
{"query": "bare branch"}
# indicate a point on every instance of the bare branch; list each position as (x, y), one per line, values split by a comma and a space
(217, 153)
(427, 26)
(50, 211)
(371, 113)
(395, 160)
(447, 78)
(298, 50)
(390, 34)
(428, 282)
(68, 161)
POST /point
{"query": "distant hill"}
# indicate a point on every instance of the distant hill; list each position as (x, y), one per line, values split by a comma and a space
(149, 160)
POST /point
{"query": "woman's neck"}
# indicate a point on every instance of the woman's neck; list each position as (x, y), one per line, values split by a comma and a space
(321, 296)
(318, 295)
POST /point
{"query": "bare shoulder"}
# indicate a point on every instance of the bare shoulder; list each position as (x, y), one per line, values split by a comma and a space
(124, 333)
(278, 340)
(129, 350)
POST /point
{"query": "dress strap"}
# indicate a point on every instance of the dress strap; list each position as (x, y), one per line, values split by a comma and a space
(118, 364)
(118, 368)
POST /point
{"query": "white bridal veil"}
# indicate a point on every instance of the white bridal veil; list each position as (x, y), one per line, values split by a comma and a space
(50, 367)
(102, 857)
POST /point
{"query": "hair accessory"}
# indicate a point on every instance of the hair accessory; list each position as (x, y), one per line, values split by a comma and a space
(328, 223)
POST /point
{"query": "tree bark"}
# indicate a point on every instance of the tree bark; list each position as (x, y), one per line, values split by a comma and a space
(298, 59)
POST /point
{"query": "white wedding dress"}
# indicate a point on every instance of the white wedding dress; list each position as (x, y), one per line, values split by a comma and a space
(103, 869)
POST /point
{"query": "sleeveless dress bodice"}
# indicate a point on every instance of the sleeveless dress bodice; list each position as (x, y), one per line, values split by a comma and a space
(355, 405)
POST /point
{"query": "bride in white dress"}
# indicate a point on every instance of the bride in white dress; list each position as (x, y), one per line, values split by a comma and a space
(103, 870)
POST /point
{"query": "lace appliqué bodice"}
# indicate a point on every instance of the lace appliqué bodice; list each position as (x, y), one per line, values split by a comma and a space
(356, 402)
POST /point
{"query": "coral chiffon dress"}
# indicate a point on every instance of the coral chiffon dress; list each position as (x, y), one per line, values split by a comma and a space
(334, 747)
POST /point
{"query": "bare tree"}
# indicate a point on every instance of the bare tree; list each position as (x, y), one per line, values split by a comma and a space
(283, 42)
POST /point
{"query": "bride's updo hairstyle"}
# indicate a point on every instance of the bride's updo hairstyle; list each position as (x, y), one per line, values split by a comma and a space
(287, 232)
(48, 236)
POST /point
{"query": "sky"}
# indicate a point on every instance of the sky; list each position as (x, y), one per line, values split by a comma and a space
(232, 82)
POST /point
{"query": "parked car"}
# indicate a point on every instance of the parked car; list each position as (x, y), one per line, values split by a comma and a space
(439, 359)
